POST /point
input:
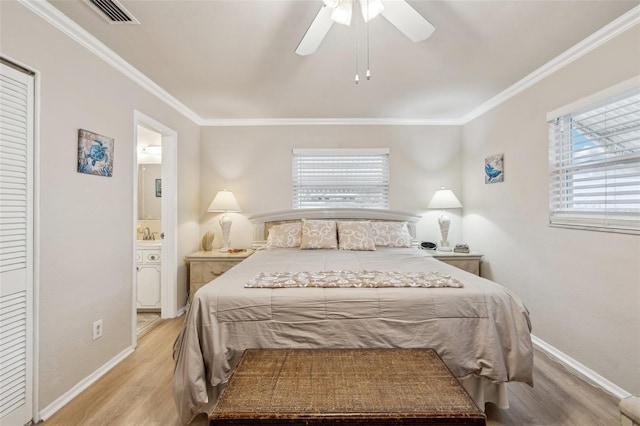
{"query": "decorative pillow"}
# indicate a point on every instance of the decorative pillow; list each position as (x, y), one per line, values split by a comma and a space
(286, 235)
(391, 234)
(354, 235)
(319, 234)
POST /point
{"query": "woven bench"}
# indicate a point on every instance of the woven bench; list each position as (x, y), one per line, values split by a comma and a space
(344, 386)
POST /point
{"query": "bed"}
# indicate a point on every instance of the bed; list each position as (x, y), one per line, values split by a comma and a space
(479, 328)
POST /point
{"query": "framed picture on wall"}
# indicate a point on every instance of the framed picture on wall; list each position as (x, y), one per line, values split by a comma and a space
(494, 169)
(158, 187)
(95, 154)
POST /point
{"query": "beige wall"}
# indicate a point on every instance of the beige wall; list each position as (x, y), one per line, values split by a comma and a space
(582, 287)
(255, 163)
(86, 222)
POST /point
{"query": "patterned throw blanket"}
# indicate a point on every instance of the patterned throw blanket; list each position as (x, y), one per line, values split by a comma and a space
(351, 279)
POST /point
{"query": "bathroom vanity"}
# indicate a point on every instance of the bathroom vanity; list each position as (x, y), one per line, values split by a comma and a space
(148, 265)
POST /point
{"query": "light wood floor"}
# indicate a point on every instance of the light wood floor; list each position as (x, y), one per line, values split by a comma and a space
(137, 392)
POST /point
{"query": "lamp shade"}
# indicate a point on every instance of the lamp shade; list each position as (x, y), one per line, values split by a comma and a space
(224, 201)
(444, 199)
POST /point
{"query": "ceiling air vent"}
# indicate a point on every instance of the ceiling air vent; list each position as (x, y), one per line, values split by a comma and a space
(112, 11)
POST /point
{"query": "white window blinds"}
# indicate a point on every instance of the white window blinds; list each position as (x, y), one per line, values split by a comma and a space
(594, 165)
(340, 178)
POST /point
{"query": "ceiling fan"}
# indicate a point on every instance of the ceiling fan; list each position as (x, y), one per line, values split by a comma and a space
(398, 12)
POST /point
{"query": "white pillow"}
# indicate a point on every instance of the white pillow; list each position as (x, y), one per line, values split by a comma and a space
(354, 235)
(285, 235)
(319, 234)
(391, 234)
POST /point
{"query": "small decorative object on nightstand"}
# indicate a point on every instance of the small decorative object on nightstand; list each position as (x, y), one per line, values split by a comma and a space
(205, 266)
(427, 245)
(207, 241)
(469, 262)
(461, 248)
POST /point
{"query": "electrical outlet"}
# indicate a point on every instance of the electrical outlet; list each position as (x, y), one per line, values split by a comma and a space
(97, 329)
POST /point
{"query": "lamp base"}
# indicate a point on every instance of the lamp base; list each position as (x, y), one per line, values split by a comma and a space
(444, 246)
(225, 224)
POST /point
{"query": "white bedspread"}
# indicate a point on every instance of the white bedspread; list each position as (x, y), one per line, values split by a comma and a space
(480, 330)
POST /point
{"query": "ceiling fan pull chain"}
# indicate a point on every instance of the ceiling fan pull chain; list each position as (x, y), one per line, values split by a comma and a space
(355, 31)
(368, 75)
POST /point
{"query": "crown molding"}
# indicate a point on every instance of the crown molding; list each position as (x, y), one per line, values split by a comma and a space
(331, 122)
(59, 20)
(606, 33)
(52, 15)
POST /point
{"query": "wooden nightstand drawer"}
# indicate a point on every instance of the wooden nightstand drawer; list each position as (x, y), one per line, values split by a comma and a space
(205, 266)
(206, 271)
(469, 262)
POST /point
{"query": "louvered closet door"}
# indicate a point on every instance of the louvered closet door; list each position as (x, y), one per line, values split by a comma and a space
(16, 246)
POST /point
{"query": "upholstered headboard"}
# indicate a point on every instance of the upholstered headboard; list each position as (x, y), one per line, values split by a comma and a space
(262, 222)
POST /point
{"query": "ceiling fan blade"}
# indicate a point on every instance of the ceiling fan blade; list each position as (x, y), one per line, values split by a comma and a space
(407, 20)
(316, 32)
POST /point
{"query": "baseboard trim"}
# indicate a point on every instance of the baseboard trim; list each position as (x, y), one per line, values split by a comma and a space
(579, 369)
(181, 311)
(51, 409)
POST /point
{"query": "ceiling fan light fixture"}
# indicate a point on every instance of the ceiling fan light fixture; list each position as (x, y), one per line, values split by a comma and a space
(331, 3)
(398, 12)
(371, 9)
(342, 12)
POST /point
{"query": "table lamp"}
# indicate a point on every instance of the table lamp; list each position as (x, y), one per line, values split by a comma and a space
(444, 199)
(225, 202)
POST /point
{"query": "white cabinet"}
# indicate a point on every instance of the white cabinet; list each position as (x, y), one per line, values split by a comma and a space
(149, 266)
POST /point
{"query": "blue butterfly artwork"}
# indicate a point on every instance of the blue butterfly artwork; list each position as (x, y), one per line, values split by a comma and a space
(494, 169)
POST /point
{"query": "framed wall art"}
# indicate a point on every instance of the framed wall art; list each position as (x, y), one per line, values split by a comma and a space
(95, 153)
(158, 188)
(494, 169)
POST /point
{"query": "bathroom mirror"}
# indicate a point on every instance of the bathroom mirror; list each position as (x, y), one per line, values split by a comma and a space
(149, 191)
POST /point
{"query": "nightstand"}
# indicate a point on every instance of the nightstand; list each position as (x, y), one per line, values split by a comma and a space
(469, 262)
(205, 266)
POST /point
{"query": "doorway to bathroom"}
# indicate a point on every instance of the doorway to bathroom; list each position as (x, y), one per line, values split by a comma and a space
(149, 229)
(155, 224)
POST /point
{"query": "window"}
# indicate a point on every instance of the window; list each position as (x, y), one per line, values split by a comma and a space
(340, 178)
(594, 161)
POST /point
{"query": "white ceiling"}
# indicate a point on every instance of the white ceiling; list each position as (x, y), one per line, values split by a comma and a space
(235, 59)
